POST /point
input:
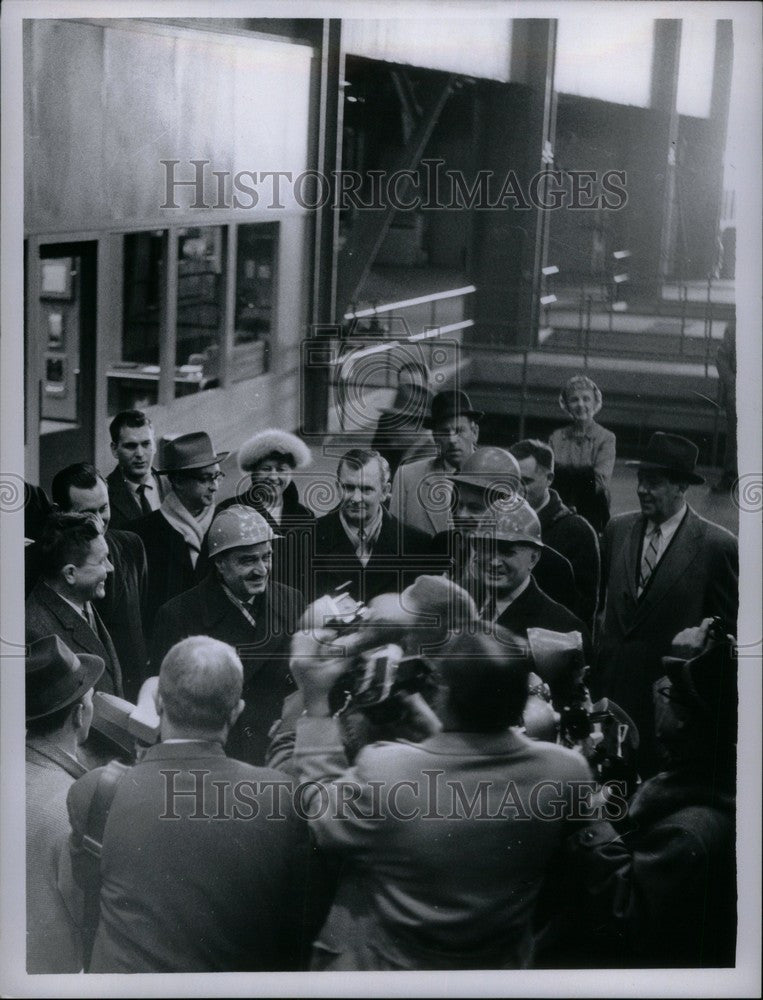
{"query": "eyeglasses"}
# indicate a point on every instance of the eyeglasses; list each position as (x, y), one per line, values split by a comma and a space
(208, 477)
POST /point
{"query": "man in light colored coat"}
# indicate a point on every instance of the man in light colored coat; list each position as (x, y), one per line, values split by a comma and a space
(421, 491)
(59, 710)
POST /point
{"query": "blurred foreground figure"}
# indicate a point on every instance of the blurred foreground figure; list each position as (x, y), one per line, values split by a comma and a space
(196, 874)
(663, 894)
(59, 710)
(448, 832)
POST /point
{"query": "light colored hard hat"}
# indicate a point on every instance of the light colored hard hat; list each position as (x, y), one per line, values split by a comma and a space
(490, 469)
(236, 527)
(519, 524)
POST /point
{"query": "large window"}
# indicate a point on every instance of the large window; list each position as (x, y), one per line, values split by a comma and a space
(256, 292)
(180, 312)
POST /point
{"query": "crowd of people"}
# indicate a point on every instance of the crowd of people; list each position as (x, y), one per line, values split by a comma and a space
(457, 722)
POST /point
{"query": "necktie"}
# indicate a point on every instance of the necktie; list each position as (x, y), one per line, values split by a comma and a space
(649, 559)
(361, 551)
(145, 506)
(87, 614)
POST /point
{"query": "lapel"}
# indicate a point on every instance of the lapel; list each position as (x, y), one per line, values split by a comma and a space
(432, 482)
(333, 538)
(633, 554)
(80, 634)
(523, 609)
(685, 546)
(120, 498)
(388, 541)
(40, 746)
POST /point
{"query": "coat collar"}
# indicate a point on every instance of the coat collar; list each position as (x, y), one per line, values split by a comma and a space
(193, 750)
(475, 744)
(44, 751)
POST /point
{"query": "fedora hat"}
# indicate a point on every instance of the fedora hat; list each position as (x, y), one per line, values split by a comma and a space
(673, 454)
(450, 403)
(189, 451)
(56, 677)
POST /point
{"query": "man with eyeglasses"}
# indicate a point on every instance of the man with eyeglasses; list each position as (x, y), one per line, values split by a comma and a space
(175, 535)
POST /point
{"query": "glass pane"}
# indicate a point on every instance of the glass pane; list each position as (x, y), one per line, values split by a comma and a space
(256, 288)
(133, 379)
(199, 308)
(143, 272)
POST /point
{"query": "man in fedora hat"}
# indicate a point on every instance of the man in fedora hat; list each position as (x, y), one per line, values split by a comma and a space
(666, 568)
(422, 491)
(238, 603)
(174, 536)
(59, 710)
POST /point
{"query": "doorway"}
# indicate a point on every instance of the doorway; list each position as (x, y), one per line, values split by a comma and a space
(65, 286)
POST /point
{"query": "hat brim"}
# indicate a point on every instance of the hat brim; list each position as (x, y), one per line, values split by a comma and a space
(92, 669)
(692, 478)
(197, 465)
(518, 540)
(472, 414)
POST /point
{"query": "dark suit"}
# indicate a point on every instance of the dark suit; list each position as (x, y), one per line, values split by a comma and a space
(49, 614)
(121, 608)
(264, 651)
(399, 555)
(196, 894)
(534, 609)
(697, 577)
(572, 536)
(170, 570)
(125, 506)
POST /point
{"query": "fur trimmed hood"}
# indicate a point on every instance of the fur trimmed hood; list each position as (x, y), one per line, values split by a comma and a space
(272, 440)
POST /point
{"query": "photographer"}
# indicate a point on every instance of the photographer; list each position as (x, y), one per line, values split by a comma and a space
(663, 893)
(453, 836)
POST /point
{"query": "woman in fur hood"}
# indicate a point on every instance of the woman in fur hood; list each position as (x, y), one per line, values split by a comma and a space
(268, 461)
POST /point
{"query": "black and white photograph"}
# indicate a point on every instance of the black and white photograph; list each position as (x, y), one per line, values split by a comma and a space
(380, 481)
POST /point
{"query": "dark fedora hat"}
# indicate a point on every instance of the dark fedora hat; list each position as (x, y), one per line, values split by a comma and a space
(673, 454)
(56, 677)
(189, 451)
(451, 403)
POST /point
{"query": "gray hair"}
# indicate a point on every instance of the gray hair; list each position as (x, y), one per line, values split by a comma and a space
(200, 683)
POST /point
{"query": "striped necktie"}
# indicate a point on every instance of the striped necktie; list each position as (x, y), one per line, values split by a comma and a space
(649, 559)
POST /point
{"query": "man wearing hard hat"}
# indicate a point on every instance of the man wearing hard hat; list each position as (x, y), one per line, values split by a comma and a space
(238, 603)
(490, 478)
(506, 545)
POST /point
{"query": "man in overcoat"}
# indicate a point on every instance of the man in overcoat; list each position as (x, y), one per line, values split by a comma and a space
(666, 569)
(238, 603)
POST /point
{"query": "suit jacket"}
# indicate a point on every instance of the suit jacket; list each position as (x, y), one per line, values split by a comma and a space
(49, 614)
(400, 554)
(264, 651)
(459, 891)
(534, 609)
(183, 894)
(697, 577)
(573, 537)
(421, 495)
(37, 506)
(170, 570)
(121, 608)
(54, 901)
(124, 504)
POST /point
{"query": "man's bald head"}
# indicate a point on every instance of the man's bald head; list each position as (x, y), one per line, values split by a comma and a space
(200, 684)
